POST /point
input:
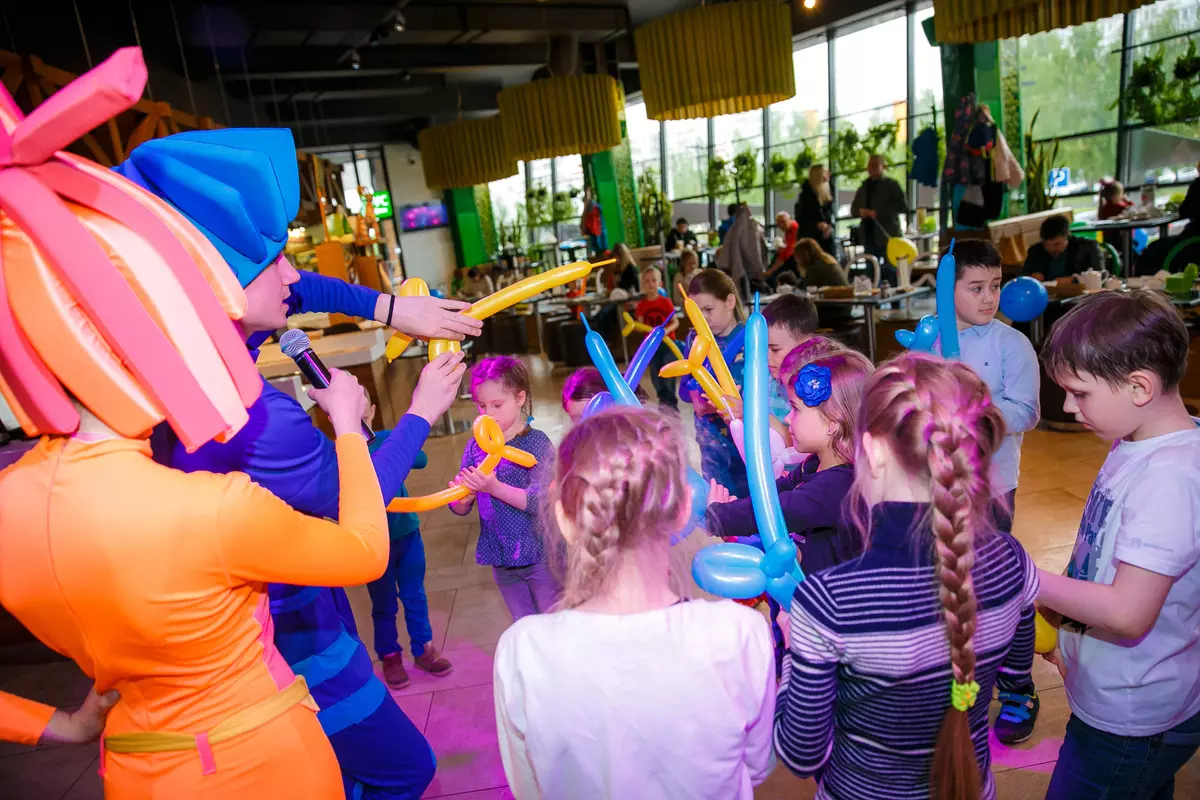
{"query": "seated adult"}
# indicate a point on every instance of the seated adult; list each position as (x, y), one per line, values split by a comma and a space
(1059, 254)
(680, 234)
(477, 285)
(1186, 245)
(784, 260)
(240, 188)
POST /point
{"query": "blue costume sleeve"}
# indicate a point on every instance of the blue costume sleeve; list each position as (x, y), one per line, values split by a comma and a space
(321, 293)
(282, 451)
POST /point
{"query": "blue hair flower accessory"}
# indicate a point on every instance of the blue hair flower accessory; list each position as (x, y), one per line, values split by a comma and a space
(814, 385)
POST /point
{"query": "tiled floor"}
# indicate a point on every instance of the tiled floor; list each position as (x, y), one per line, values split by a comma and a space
(456, 712)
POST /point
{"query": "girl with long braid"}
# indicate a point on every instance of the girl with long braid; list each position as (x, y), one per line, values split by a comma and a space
(626, 690)
(889, 652)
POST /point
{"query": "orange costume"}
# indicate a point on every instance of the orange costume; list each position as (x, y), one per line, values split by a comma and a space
(152, 580)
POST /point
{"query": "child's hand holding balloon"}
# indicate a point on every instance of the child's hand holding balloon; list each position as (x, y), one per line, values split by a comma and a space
(719, 494)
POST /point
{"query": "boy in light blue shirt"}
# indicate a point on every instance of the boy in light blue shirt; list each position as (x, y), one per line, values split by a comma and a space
(1005, 359)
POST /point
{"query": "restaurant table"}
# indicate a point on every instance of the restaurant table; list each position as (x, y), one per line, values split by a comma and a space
(361, 353)
(869, 304)
(1107, 225)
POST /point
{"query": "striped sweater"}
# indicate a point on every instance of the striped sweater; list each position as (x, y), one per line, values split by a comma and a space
(867, 683)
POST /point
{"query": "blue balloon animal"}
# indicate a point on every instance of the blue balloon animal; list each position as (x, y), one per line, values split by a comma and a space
(620, 392)
(740, 571)
(945, 324)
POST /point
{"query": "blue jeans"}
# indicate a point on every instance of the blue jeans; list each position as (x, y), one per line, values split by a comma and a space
(1095, 765)
(663, 387)
(404, 579)
(527, 590)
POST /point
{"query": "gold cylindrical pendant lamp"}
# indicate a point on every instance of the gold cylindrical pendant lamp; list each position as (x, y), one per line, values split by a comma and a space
(569, 115)
(465, 153)
(968, 21)
(714, 60)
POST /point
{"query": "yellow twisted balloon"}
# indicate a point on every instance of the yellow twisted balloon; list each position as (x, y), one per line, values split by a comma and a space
(508, 296)
(632, 325)
(715, 356)
(491, 441)
(694, 366)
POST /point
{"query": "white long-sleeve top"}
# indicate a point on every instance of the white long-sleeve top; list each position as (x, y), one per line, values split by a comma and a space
(671, 703)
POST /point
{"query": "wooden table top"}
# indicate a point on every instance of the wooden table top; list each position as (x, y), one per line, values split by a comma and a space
(340, 350)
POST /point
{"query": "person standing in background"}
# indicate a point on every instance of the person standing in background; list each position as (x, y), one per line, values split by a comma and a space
(879, 202)
(814, 209)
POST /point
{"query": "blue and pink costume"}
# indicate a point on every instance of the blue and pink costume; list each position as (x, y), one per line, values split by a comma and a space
(241, 189)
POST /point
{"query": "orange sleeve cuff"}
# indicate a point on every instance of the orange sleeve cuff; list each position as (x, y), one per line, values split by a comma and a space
(23, 720)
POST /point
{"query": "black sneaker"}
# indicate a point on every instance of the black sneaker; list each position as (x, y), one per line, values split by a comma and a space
(1018, 715)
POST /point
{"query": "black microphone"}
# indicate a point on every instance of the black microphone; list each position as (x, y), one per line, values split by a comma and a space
(295, 345)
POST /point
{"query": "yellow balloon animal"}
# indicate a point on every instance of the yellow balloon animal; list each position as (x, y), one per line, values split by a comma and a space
(1046, 637)
(898, 247)
(632, 325)
(715, 356)
(694, 366)
(491, 440)
(508, 296)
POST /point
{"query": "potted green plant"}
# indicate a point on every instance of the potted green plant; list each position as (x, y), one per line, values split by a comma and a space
(779, 174)
(1038, 163)
(719, 183)
(804, 161)
(1156, 99)
(745, 171)
(537, 206)
(654, 206)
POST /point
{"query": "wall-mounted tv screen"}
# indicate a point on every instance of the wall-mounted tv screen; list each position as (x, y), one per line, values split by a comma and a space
(422, 216)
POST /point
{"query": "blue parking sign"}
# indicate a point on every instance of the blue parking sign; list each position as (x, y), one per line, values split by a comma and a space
(1060, 177)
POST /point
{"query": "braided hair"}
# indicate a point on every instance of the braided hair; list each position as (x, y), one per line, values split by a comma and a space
(939, 422)
(620, 484)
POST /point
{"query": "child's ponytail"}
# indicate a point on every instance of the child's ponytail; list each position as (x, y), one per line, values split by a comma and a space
(939, 422)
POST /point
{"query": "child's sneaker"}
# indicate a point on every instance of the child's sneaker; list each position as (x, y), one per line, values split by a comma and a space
(1018, 715)
(434, 662)
(394, 673)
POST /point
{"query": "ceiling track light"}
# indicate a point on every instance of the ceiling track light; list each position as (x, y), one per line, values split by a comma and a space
(355, 61)
(399, 23)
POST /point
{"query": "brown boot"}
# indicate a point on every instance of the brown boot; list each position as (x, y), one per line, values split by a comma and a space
(394, 674)
(434, 662)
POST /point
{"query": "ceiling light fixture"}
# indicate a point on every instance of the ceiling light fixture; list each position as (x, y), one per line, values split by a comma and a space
(355, 61)
(810, 4)
(399, 23)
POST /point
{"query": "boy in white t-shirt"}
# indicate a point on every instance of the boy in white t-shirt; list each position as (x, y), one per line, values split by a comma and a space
(1130, 598)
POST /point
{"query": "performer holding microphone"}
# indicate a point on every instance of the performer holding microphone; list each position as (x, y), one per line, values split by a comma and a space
(241, 188)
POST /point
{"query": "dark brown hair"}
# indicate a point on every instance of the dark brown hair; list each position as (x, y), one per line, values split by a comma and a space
(1111, 335)
(509, 372)
(794, 312)
(718, 284)
(973, 253)
(1111, 190)
(585, 383)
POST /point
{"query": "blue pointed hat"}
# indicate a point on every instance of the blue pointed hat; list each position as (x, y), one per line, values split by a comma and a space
(239, 186)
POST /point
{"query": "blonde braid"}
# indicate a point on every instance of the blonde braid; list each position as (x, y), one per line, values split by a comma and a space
(620, 479)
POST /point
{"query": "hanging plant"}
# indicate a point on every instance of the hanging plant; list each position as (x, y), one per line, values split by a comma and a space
(537, 206)
(804, 161)
(1037, 171)
(745, 170)
(779, 173)
(1155, 99)
(654, 207)
(563, 208)
(719, 183)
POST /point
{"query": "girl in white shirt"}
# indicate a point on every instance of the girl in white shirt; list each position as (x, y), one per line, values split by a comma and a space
(627, 691)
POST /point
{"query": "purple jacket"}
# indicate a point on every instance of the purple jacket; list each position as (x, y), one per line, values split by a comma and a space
(812, 508)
